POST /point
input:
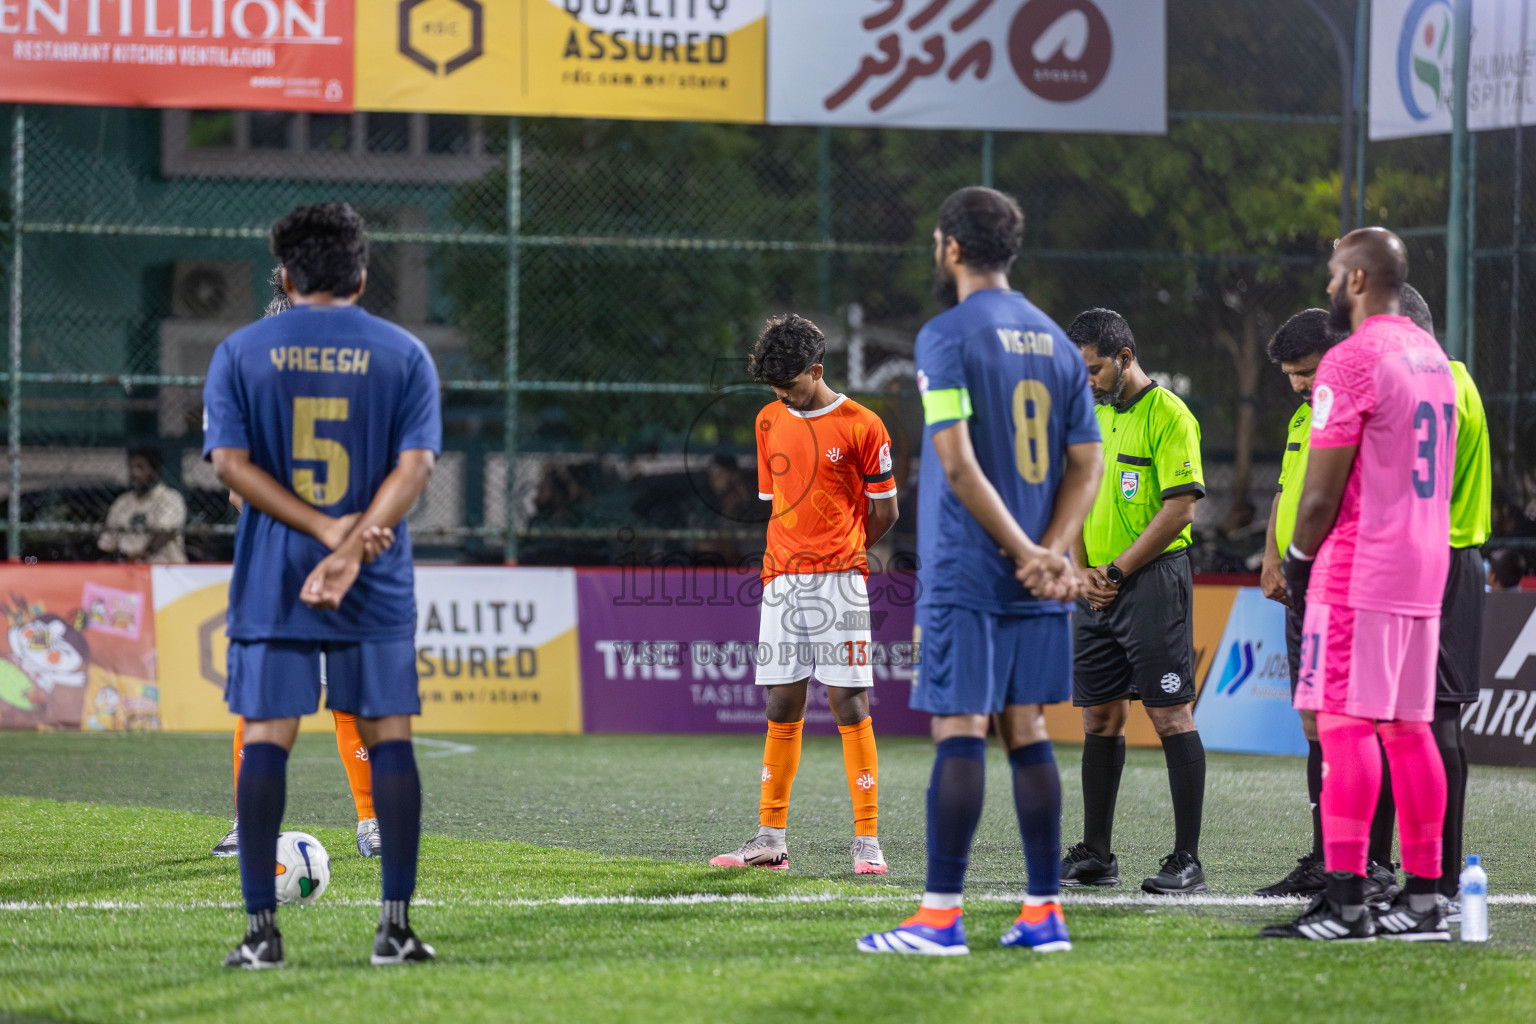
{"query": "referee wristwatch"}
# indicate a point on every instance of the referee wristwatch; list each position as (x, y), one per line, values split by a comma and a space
(1113, 574)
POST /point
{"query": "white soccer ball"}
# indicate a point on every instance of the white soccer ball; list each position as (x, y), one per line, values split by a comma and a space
(303, 868)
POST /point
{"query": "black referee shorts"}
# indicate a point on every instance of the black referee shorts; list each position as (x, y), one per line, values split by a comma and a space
(1143, 645)
(1459, 666)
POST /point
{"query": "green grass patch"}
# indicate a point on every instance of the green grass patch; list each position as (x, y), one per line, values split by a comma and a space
(538, 819)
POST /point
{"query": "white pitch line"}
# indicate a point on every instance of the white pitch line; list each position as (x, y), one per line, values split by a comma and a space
(738, 899)
(445, 748)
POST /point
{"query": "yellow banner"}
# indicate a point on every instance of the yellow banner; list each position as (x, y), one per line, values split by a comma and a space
(639, 59)
(495, 650)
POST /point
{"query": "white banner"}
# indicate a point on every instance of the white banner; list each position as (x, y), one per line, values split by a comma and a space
(1010, 65)
(495, 648)
(1412, 63)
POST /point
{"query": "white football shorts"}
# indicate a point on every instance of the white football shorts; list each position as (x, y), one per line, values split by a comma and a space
(815, 623)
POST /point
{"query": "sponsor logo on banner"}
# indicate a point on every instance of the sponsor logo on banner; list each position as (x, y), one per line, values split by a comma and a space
(650, 59)
(1412, 63)
(1064, 65)
(1249, 709)
(250, 54)
(1500, 726)
(495, 649)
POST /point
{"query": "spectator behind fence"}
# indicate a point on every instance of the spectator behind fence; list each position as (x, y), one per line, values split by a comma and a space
(1505, 567)
(145, 523)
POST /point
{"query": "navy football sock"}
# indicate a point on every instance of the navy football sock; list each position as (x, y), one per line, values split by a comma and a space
(1037, 799)
(955, 793)
(259, 798)
(397, 798)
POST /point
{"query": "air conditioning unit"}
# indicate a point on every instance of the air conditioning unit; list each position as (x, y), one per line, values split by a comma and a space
(211, 290)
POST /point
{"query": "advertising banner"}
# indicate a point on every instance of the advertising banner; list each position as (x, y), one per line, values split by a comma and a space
(79, 648)
(1500, 727)
(675, 650)
(697, 60)
(495, 649)
(220, 54)
(1247, 708)
(1412, 62)
(1010, 65)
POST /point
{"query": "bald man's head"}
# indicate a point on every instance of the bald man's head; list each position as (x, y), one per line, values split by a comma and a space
(1368, 268)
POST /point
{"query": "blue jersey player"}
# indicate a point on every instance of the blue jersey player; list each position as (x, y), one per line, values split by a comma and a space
(325, 420)
(1011, 464)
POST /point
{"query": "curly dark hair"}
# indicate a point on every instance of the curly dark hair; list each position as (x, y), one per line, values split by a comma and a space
(279, 300)
(987, 223)
(789, 345)
(1307, 333)
(1412, 305)
(150, 454)
(323, 247)
(1103, 329)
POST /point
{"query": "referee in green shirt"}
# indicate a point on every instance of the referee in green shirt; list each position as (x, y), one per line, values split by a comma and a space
(1134, 635)
(1461, 612)
(1297, 347)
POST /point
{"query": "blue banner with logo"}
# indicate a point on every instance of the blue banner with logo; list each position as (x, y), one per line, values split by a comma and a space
(1245, 705)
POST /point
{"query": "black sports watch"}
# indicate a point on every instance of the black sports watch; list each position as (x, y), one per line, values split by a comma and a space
(1113, 574)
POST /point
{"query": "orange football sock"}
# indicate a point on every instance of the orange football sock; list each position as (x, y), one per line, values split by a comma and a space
(1037, 913)
(781, 759)
(863, 767)
(933, 917)
(354, 758)
(239, 748)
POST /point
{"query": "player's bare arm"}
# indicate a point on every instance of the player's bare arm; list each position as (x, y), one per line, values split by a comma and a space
(1170, 521)
(882, 517)
(334, 576)
(249, 484)
(1074, 500)
(1323, 492)
(1271, 579)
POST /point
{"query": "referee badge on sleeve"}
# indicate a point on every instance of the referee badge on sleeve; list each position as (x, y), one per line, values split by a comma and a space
(1130, 482)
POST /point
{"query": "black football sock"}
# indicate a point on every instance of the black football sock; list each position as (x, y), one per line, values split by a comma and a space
(1346, 891)
(1185, 756)
(397, 798)
(1386, 815)
(955, 793)
(1037, 799)
(1315, 795)
(1453, 753)
(259, 797)
(1103, 763)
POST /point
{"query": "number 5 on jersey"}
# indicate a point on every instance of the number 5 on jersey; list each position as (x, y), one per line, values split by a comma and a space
(308, 447)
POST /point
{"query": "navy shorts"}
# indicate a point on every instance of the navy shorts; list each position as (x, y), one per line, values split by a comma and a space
(977, 663)
(281, 678)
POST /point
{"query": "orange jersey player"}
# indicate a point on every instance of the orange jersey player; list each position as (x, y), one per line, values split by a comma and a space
(825, 463)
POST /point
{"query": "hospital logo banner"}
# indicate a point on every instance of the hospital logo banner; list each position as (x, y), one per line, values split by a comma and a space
(1245, 704)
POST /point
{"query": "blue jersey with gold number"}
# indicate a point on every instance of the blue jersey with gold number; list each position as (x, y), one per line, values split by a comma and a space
(1007, 370)
(325, 398)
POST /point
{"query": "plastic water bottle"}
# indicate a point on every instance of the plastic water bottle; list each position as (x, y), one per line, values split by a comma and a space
(1474, 901)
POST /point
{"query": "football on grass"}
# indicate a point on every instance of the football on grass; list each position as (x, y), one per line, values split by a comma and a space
(303, 868)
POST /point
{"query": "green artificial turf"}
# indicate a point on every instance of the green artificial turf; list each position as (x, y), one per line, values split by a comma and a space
(113, 911)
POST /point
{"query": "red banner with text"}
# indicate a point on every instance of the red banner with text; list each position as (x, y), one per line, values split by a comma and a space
(222, 54)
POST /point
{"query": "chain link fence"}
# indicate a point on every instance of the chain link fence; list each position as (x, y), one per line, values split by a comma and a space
(590, 289)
